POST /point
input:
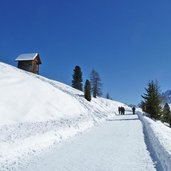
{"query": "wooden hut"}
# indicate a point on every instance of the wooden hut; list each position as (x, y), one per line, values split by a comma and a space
(29, 62)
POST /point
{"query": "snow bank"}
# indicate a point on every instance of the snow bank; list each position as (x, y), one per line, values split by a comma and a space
(36, 113)
(159, 137)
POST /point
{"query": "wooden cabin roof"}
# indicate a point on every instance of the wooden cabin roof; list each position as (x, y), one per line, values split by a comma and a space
(28, 57)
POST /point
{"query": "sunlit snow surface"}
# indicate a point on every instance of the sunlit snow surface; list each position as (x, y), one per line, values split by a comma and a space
(159, 141)
(37, 113)
(116, 145)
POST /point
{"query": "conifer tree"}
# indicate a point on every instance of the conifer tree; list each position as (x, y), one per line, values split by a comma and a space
(95, 84)
(165, 117)
(169, 120)
(142, 106)
(107, 96)
(77, 79)
(87, 90)
(152, 100)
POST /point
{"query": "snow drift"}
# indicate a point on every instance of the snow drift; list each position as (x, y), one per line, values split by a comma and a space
(37, 113)
(159, 141)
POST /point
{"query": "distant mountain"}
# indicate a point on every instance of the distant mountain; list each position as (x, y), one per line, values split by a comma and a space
(166, 96)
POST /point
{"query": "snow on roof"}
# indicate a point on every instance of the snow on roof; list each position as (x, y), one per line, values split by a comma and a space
(26, 57)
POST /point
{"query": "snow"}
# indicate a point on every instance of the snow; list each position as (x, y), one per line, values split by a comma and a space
(29, 97)
(45, 125)
(36, 113)
(159, 136)
(26, 57)
(115, 145)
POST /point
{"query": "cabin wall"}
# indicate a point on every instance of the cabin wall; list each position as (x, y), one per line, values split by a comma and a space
(26, 65)
(31, 66)
(35, 67)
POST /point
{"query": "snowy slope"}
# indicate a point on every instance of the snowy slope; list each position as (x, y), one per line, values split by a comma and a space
(28, 97)
(36, 113)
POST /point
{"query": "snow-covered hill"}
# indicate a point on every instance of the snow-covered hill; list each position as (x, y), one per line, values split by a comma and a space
(36, 113)
(29, 97)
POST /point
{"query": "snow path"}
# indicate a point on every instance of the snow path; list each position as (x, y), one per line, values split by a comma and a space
(118, 144)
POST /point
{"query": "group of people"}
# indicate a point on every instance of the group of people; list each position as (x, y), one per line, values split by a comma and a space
(121, 110)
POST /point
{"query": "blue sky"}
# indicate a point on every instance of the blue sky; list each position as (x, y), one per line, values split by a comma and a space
(127, 42)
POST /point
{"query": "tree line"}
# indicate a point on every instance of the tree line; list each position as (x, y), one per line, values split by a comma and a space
(92, 86)
(153, 105)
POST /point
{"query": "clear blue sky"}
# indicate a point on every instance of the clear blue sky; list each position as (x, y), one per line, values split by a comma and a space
(127, 41)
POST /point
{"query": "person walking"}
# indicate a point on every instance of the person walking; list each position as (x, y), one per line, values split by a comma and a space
(123, 111)
(119, 110)
(133, 110)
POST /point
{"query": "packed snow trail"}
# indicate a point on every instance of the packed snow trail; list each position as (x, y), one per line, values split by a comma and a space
(118, 144)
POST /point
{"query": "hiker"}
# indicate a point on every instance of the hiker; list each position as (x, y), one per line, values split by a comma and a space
(119, 110)
(133, 110)
(122, 110)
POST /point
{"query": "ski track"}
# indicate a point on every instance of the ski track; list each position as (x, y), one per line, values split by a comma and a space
(118, 144)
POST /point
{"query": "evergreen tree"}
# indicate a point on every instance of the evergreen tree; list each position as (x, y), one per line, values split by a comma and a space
(165, 117)
(152, 100)
(142, 106)
(170, 121)
(77, 79)
(107, 96)
(95, 84)
(87, 90)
